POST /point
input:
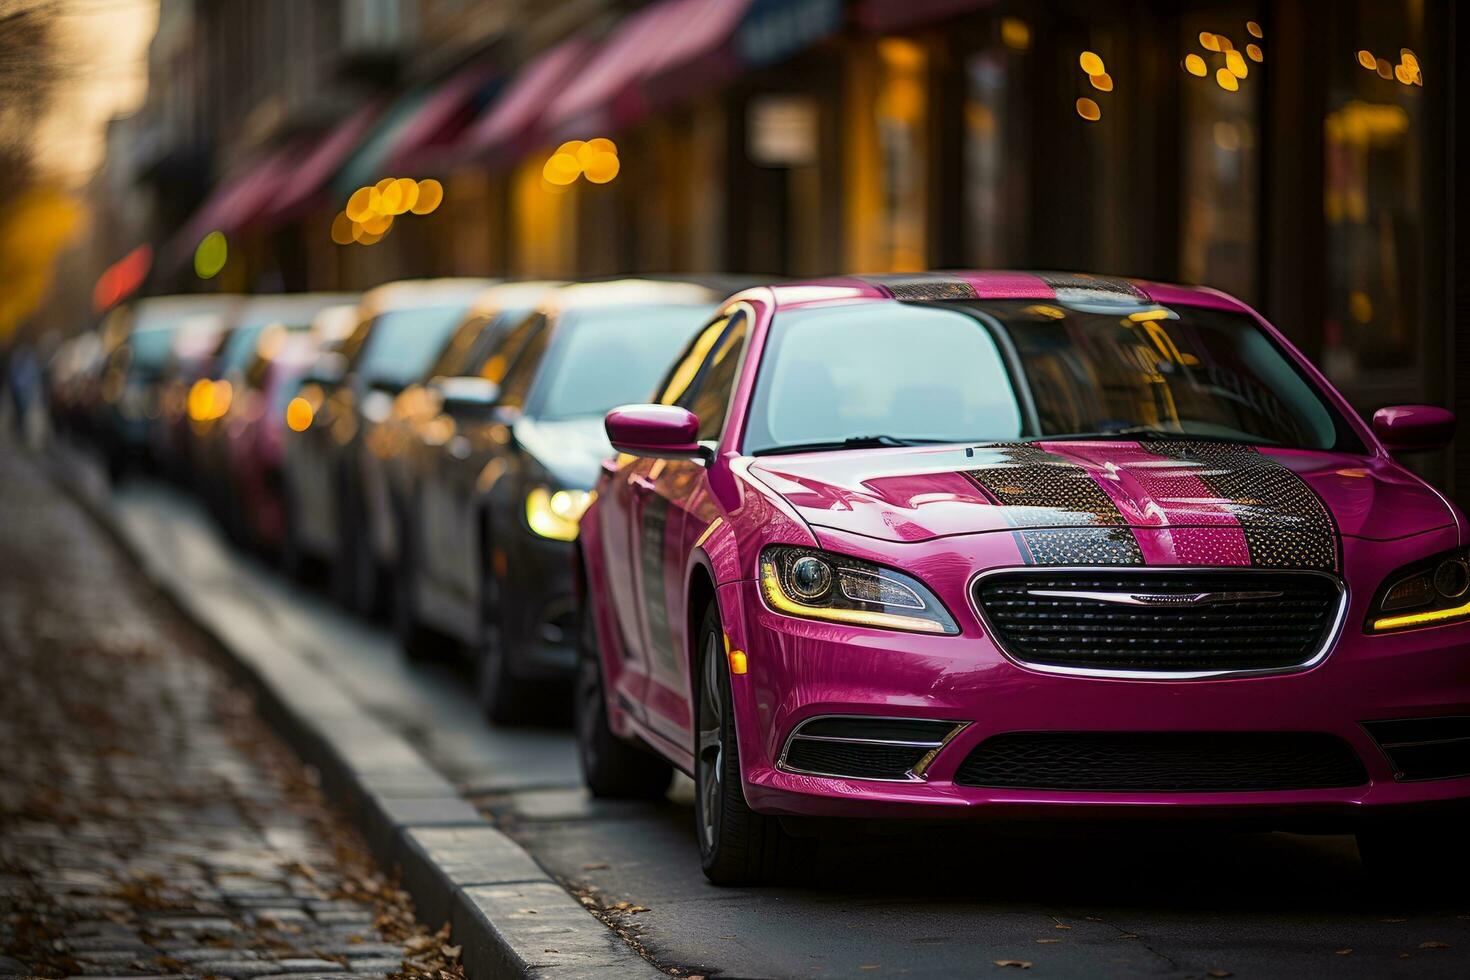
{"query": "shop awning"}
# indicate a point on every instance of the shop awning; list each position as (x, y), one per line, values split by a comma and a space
(368, 161)
(315, 165)
(671, 51)
(511, 125)
(898, 15)
(442, 119)
(236, 203)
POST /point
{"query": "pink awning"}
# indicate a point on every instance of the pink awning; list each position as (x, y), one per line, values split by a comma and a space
(315, 164)
(700, 53)
(441, 119)
(512, 124)
(586, 107)
(235, 204)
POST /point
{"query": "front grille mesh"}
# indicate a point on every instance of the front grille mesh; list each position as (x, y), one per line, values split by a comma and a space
(1160, 762)
(860, 760)
(1234, 634)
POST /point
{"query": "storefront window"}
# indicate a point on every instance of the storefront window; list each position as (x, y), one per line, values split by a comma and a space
(1222, 71)
(1374, 132)
(888, 104)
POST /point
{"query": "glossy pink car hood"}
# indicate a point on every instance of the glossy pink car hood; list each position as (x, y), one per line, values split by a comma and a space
(916, 494)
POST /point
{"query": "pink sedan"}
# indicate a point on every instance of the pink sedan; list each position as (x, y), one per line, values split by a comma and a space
(1019, 546)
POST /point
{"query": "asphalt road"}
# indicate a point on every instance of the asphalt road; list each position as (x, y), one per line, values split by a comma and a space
(1072, 902)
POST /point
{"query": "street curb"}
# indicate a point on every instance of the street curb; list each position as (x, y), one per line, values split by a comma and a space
(508, 915)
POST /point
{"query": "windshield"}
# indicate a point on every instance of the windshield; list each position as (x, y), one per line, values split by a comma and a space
(1005, 370)
(401, 344)
(603, 358)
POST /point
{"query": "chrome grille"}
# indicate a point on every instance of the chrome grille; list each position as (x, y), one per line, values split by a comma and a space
(1174, 622)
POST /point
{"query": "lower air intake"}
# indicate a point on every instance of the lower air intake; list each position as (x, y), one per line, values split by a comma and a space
(1424, 748)
(856, 747)
(1163, 762)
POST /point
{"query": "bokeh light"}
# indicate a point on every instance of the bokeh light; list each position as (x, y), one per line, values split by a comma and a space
(431, 193)
(1088, 109)
(211, 255)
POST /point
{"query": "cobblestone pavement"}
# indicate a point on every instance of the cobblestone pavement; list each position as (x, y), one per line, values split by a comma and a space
(149, 824)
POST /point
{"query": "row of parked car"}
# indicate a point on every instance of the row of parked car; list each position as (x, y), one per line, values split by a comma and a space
(428, 445)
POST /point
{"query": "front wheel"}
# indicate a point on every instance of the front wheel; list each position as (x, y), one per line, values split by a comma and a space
(737, 846)
(611, 767)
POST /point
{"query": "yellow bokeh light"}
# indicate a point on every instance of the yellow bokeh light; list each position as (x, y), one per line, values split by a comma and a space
(299, 414)
(1403, 74)
(1254, 29)
(1253, 51)
(1385, 70)
(359, 205)
(1236, 64)
(365, 238)
(390, 197)
(408, 190)
(603, 168)
(1091, 63)
(431, 194)
(1195, 65)
(1087, 109)
(571, 147)
(561, 168)
(1225, 43)
(1226, 80)
(1015, 33)
(377, 224)
(211, 255)
(1366, 59)
(1103, 82)
(1208, 41)
(1409, 57)
(342, 229)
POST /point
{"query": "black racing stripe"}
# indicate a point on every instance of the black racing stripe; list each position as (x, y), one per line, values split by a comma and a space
(1286, 524)
(925, 287)
(1078, 287)
(1064, 516)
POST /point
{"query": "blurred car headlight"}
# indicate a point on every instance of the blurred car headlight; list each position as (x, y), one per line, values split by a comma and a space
(556, 514)
(821, 585)
(1429, 593)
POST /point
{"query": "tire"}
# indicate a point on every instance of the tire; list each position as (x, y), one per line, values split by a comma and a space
(737, 846)
(612, 768)
(504, 698)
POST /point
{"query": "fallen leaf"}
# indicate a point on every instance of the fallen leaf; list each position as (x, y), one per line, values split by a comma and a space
(1344, 952)
(1434, 944)
(594, 867)
(527, 911)
(1404, 956)
(1048, 940)
(1219, 973)
(1020, 964)
(450, 952)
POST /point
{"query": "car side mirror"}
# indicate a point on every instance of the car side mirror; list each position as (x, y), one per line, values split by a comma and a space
(468, 396)
(662, 431)
(1413, 428)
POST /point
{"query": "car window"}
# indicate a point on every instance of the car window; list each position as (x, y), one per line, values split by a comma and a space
(685, 368)
(709, 396)
(1006, 369)
(610, 356)
(524, 363)
(504, 351)
(451, 360)
(403, 343)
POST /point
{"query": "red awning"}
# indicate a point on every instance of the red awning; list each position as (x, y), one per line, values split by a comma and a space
(511, 125)
(235, 204)
(898, 15)
(700, 55)
(315, 163)
(441, 118)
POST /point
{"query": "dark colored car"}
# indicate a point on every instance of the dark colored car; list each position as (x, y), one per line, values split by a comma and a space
(400, 329)
(504, 472)
(129, 383)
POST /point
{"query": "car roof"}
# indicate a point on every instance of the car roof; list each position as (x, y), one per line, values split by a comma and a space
(634, 291)
(408, 293)
(512, 294)
(920, 287)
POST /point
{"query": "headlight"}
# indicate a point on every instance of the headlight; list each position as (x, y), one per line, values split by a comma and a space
(815, 584)
(555, 514)
(1430, 593)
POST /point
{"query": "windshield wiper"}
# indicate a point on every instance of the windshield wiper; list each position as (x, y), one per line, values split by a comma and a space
(1148, 433)
(851, 442)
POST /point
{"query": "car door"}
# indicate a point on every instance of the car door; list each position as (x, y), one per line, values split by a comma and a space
(669, 493)
(475, 464)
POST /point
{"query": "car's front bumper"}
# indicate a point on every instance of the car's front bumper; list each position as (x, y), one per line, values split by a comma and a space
(800, 669)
